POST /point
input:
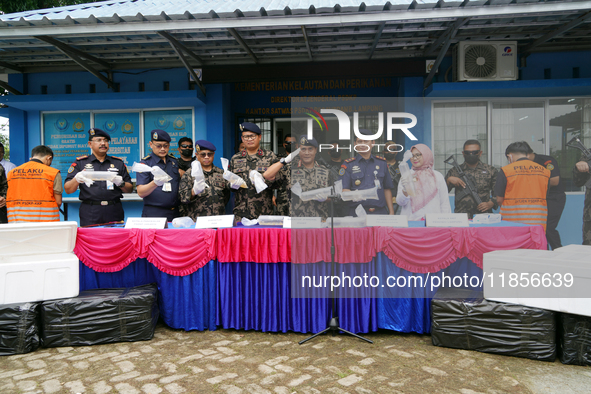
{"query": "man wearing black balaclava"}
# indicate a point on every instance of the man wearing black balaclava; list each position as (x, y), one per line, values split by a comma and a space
(484, 176)
(335, 161)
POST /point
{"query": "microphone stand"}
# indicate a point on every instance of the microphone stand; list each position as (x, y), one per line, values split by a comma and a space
(333, 324)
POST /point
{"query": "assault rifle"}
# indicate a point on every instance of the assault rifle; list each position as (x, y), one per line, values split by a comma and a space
(470, 188)
(576, 143)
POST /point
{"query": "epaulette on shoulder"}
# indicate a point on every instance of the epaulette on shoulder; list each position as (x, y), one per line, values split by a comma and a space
(349, 160)
(118, 158)
(81, 157)
(146, 158)
(381, 158)
(171, 155)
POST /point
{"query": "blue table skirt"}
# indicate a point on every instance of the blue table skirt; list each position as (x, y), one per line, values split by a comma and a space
(257, 296)
(186, 302)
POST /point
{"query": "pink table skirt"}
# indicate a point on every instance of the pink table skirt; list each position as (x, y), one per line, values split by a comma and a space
(182, 252)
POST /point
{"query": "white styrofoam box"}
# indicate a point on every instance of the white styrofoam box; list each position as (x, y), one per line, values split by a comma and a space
(572, 259)
(17, 239)
(38, 278)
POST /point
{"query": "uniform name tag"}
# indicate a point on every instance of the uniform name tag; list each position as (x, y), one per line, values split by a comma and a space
(167, 187)
(110, 185)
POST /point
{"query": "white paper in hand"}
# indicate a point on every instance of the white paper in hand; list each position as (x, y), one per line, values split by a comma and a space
(257, 179)
(160, 175)
(197, 173)
(234, 180)
(140, 167)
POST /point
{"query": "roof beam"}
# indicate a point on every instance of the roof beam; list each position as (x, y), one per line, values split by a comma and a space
(376, 39)
(512, 10)
(10, 88)
(446, 36)
(307, 42)
(446, 39)
(179, 51)
(11, 66)
(174, 42)
(75, 55)
(557, 32)
(67, 49)
(237, 37)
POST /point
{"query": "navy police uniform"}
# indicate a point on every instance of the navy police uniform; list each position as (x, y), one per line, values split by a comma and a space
(101, 201)
(161, 203)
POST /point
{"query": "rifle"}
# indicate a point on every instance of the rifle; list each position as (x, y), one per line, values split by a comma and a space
(576, 143)
(470, 188)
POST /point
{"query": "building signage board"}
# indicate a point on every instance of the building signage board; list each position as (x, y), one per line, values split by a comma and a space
(177, 123)
(67, 135)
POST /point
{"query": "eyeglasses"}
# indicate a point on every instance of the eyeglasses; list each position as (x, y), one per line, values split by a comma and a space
(206, 154)
(248, 137)
(471, 152)
(161, 146)
(417, 156)
(187, 146)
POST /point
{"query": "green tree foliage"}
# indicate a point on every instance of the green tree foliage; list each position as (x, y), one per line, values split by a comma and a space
(11, 6)
(4, 141)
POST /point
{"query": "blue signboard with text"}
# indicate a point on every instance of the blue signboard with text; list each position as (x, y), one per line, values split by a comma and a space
(66, 134)
(177, 123)
(124, 129)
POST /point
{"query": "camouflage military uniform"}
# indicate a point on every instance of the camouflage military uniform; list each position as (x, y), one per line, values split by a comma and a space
(580, 179)
(248, 203)
(485, 177)
(394, 171)
(3, 191)
(211, 201)
(283, 196)
(309, 178)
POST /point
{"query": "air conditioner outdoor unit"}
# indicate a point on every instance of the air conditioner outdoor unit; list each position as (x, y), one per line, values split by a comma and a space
(485, 61)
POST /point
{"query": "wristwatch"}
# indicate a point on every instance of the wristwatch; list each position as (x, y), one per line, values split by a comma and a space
(282, 160)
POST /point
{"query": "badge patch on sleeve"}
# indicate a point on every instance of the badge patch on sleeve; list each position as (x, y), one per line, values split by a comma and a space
(71, 169)
(550, 167)
(342, 171)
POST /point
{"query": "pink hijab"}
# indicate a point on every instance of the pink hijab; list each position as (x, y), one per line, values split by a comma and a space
(426, 184)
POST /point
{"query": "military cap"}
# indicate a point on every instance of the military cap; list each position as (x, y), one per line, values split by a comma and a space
(202, 144)
(160, 135)
(98, 133)
(253, 128)
(303, 140)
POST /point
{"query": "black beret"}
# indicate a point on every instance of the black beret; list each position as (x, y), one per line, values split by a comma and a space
(202, 144)
(160, 135)
(247, 126)
(303, 140)
(98, 133)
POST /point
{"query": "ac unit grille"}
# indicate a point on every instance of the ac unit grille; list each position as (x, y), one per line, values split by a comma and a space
(480, 61)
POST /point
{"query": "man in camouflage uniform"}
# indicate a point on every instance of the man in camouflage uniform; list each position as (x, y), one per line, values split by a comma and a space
(249, 203)
(283, 197)
(581, 176)
(213, 199)
(3, 190)
(485, 177)
(390, 153)
(310, 176)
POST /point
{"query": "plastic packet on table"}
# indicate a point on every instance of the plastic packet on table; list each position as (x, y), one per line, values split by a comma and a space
(361, 195)
(270, 220)
(234, 179)
(486, 218)
(257, 179)
(248, 222)
(405, 173)
(197, 173)
(183, 222)
(315, 194)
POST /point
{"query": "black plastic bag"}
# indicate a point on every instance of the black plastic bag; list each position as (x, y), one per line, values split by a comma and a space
(101, 316)
(575, 339)
(463, 319)
(19, 328)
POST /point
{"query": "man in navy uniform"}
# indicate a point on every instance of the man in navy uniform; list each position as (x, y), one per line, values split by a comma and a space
(160, 197)
(365, 171)
(101, 201)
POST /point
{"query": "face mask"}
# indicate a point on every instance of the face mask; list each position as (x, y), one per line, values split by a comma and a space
(390, 156)
(289, 147)
(187, 152)
(335, 154)
(471, 159)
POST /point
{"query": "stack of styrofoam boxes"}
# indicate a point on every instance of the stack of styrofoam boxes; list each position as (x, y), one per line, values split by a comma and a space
(575, 311)
(37, 263)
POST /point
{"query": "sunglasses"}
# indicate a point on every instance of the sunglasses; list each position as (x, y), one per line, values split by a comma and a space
(471, 152)
(187, 146)
(206, 154)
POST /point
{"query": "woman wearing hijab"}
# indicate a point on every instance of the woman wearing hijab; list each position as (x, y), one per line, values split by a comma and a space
(429, 185)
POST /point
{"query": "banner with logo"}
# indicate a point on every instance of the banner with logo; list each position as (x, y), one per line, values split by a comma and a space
(177, 123)
(67, 135)
(124, 128)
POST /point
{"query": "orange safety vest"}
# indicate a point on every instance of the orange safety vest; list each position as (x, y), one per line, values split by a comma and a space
(525, 195)
(30, 195)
